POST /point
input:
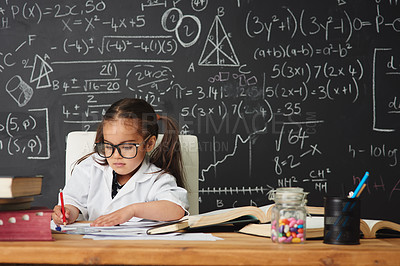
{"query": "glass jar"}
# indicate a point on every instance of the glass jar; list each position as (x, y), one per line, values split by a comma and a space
(288, 217)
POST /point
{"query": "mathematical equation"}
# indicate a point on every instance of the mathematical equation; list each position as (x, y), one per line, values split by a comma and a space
(308, 24)
(25, 135)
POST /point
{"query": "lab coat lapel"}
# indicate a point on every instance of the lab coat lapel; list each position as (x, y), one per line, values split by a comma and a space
(138, 177)
(108, 176)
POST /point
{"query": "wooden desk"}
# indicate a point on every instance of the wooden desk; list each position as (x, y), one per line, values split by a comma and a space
(235, 249)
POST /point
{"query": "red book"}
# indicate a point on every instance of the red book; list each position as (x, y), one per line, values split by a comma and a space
(26, 225)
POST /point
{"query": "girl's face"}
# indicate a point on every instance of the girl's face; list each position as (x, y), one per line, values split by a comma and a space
(121, 131)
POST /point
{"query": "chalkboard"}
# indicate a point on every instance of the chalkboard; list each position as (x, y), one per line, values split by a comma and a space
(279, 93)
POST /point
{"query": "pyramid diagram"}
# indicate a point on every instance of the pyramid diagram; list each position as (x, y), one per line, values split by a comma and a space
(218, 50)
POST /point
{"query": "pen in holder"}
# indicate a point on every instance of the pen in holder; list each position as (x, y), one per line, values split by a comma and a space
(342, 221)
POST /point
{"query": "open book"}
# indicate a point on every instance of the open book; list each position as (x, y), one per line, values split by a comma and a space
(239, 215)
(244, 214)
(370, 228)
(315, 228)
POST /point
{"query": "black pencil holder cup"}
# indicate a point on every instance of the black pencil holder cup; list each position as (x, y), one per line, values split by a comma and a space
(342, 221)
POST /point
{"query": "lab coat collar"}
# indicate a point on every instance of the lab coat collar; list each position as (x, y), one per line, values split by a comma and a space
(106, 169)
(142, 175)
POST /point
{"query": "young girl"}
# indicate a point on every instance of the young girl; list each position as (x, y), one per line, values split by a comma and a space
(119, 181)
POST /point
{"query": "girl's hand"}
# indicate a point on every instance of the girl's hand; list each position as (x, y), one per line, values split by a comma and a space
(118, 217)
(58, 216)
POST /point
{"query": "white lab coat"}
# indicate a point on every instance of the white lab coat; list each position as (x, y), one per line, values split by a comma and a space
(89, 188)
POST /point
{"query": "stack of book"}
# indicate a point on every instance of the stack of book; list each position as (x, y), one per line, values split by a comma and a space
(18, 219)
(17, 192)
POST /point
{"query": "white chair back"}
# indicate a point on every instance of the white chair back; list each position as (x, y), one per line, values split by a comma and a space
(80, 143)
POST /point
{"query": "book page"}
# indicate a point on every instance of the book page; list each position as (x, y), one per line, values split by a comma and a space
(315, 222)
(263, 208)
(266, 208)
(225, 215)
(370, 222)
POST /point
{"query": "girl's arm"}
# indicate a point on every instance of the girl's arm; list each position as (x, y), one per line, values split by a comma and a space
(162, 210)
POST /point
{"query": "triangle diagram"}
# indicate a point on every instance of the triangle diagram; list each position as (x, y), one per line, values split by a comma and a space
(43, 74)
(41, 69)
(218, 50)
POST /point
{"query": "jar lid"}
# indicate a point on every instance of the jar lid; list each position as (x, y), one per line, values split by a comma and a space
(291, 194)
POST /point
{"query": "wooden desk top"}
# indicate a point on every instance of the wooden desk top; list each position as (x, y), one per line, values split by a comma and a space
(235, 249)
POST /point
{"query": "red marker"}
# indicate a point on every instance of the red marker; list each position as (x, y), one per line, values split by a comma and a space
(62, 207)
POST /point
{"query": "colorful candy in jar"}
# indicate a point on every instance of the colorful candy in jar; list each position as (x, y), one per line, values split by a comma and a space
(289, 230)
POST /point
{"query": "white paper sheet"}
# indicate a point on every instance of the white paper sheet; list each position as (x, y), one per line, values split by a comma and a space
(132, 230)
(172, 236)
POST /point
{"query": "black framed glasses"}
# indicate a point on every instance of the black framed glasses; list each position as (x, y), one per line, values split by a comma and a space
(127, 150)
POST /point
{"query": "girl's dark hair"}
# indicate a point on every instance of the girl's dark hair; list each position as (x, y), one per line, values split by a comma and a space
(167, 155)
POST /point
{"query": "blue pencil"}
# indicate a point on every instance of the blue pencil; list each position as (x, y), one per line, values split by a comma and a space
(362, 182)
